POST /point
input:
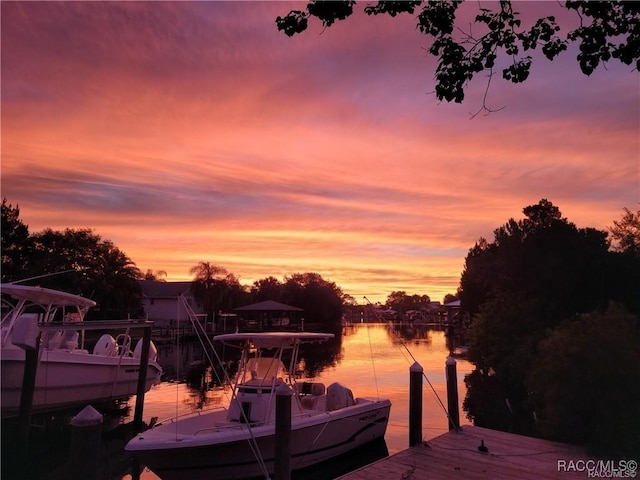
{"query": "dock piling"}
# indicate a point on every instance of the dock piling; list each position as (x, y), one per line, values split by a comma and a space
(452, 393)
(415, 404)
(86, 434)
(282, 467)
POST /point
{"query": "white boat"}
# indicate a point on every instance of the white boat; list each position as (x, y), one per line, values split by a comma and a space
(239, 441)
(67, 374)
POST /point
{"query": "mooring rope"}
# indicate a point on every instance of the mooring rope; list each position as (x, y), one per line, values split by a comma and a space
(424, 375)
(373, 363)
(199, 330)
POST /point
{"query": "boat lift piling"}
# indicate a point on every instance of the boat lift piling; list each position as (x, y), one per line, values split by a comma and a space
(26, 396)
(142, 379)
(31, 367)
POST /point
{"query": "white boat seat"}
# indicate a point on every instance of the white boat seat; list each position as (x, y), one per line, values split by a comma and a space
(55, 341)
(314, 402)
(310, 388)
(70, 340)
(312, 395)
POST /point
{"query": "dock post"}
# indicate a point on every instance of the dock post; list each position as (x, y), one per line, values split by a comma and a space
(86, 433)
(452, 393)
(26, 395)
(282, 467)
(142, 380)
(415, 404)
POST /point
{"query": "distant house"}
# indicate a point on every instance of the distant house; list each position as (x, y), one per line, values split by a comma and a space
(163, 305)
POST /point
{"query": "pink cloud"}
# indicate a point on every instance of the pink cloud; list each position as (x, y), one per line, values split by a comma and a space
(195, 131)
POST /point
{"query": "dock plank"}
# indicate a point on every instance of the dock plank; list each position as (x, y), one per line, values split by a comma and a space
(455, 455)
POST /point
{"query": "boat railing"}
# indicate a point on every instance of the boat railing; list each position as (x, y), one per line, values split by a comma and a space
(227, 425)
(96, 325)
(188, 414)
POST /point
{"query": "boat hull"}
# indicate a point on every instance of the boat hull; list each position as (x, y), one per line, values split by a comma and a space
(225, 453)
(67, 378)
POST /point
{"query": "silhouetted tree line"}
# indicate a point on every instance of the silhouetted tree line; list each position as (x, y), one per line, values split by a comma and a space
(401, 303)
(80, 261)
(218, 290)
(555, 336)
(73, 260)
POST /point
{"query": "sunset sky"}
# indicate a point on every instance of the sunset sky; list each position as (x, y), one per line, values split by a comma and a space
(195, 131)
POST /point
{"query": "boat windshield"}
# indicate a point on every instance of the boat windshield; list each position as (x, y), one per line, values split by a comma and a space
(262, 371)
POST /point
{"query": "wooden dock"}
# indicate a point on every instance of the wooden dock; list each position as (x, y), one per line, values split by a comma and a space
(455, 455)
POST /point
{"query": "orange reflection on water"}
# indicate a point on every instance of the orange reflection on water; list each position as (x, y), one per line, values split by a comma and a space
(374, 361)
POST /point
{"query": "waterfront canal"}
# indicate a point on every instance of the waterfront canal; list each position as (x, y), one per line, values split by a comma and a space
(372, 359)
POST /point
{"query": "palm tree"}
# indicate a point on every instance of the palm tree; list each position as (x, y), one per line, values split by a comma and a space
(209, 286)
(157, 275)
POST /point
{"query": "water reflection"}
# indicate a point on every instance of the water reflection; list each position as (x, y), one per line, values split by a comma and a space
(373, 360)
(345, 463)
(411, 333)
(191, 363)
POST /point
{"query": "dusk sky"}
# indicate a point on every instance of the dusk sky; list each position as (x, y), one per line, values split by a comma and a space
(195, 131)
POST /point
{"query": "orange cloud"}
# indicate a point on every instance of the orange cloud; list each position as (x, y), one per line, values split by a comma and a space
(194, 131)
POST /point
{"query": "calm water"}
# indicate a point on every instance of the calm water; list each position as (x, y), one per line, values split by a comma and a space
(370, 359)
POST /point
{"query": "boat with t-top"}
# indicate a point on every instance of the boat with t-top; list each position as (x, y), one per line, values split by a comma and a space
(239, 441)
(51, 322)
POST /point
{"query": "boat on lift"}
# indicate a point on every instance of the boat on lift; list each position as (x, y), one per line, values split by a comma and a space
(67, 374)
(239, 441)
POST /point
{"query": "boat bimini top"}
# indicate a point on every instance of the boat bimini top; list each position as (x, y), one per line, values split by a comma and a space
(45, 296)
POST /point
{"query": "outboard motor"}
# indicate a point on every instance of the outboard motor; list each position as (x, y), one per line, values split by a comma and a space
(338, 396)
(153, 351)
(106, 346)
